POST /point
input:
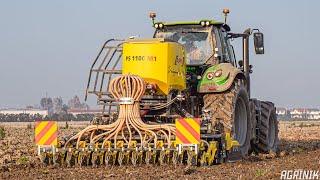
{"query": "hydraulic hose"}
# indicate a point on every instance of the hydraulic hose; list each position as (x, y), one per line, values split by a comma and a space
(128, 91)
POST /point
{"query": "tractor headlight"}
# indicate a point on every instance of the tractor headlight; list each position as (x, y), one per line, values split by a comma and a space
(159, 25)
(210, 75)
(218, 73)
(204, 23)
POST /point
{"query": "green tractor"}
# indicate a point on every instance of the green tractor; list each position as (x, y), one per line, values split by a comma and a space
(187, 70)
(219, 85)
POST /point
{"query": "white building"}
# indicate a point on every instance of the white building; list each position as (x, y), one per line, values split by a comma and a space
(281, 111)
(313, 114)
(298, 113)
(303, 113)
(24, 111)
(75, 112)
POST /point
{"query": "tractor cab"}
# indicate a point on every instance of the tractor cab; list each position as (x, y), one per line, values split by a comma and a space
(205, 44)
(205, 41)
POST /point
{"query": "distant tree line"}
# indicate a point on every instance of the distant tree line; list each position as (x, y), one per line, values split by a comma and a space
(37, 117)
(57, 111)
(56, 105)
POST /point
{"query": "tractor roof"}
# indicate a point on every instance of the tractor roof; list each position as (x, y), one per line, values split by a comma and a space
(212, 22)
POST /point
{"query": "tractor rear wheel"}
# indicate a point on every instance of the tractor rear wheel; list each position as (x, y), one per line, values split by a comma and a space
(231, 108)
(268, 139)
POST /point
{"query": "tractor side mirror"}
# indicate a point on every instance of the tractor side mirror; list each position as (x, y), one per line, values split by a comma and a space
(258, 42)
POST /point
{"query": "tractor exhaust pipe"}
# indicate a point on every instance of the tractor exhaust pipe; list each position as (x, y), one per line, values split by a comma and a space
(245, 56)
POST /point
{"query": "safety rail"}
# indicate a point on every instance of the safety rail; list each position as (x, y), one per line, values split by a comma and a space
(105, 67)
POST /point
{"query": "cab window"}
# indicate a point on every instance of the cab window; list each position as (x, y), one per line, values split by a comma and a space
(226, 52)
(197, 43)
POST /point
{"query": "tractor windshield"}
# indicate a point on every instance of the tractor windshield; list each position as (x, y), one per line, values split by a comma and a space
(197, 43)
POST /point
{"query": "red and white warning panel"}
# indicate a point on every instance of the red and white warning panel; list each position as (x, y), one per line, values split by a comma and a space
(188, 131)
(46, 133)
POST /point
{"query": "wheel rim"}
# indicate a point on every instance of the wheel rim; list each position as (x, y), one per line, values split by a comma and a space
(240, 121)
(272, 131)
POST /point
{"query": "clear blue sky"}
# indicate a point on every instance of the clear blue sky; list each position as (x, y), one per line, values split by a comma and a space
(48, 46)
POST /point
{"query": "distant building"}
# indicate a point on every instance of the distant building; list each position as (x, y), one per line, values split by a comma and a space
(313, 114)
(24, 111)
(282, 113)
(298, 113)
(75, 112)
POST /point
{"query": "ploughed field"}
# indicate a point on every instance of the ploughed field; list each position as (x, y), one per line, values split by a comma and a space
(299, 149)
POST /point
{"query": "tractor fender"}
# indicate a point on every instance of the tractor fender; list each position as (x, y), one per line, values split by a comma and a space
(219, 78)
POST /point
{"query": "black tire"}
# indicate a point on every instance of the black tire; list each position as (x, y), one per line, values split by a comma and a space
(253, 120)
(232, 108)
(268, 131)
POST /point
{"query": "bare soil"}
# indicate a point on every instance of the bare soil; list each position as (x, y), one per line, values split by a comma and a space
(300, 149)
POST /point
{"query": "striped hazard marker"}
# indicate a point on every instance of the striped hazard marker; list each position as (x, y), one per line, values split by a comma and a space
(46, 133)
(188, 131)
